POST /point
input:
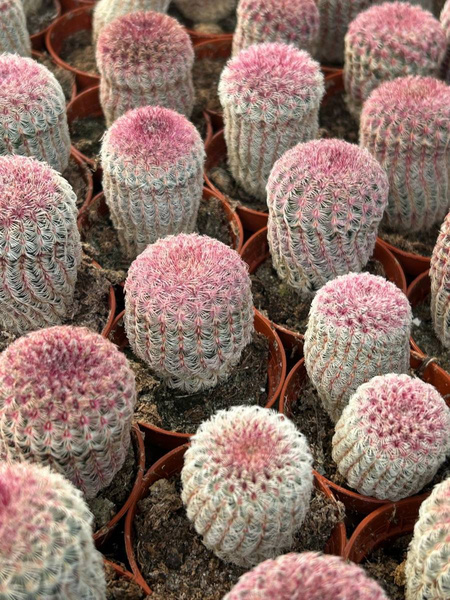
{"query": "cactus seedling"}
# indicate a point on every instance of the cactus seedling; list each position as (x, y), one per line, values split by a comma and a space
(440, 284)
(206, 11)
(14, 36)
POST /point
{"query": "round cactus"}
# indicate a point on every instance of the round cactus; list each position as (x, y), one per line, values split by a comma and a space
(67, 397)
(445, 22)
(33, 119)
(440, 284)
(306, 576)
(145, 58)
(390, 40)
(359, 327)
(40, 248)
(392, 437)
(189, 310)
(47, 550)
(152, 161)
(270, 95)
(293, 22)
(247, 482)
(405, 125)
(206, 11)
(14, 36)
(326, 199)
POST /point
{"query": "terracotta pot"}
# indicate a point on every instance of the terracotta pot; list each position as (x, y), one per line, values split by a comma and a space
(171, 464)
(121, 572)
(70, 23)
(38, 39)
(290, 394)
(36, 55)
(68, 5)
(276, 373)
(412, 264)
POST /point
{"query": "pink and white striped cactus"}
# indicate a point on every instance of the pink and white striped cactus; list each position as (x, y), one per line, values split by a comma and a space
(440, 284)
(14, 36)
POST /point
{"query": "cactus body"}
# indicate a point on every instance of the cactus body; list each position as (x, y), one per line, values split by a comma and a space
(206, 11)
(440, 284)
(445, 22)
(14, 36)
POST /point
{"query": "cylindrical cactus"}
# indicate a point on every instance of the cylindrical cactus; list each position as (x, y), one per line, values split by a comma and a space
(392, 437)
(427, 566)
(152, 161)
(40, 248)
(440, 284)
(270, 95)
(145, 58)
(14, 36)
(189, 310)
(247, 482)
(206, 11)
(359, 327)
(445, 22)
(33, 119)
(326, 199)
(405, 125)
(390, 40)
(293, 22)
(306, 576)
(67, 397)
(47, 549)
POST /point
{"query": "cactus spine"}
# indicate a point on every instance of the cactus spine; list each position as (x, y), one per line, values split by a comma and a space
(440, 284)
(14, 36)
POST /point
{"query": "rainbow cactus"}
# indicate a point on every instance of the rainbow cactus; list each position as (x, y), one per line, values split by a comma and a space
(388, 423)
(393, 39)
(67, 397)
(270, 95)
(145, 58)
(306, 576)
(359, 327)
(40, 248)
(293, 22)
(445, 22)
(405, 125)
(47, 551)
(33, 119)
(14, 36)
(152, 161)
(326, 199)
(189, 310)
(206, 11)
(247, 481)
(440, 284)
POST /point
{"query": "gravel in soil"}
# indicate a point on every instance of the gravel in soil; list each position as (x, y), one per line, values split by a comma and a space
(176, 564)
(224, 181)
(42, 18)
(120, 588)
(78, 51)
(387, 566)
(417, 242)
(227, 25)
(335, 121)
(423, 334)
(77, 179)
(65, 78)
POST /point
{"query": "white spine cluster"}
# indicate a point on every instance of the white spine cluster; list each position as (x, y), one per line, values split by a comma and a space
(206, 11)
(440, 284)
(14, 36)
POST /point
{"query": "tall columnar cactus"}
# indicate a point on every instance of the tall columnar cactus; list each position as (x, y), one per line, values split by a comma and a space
(270, 95)
(47, 549)
(445, 22)
(152, 161)
(359, 326)
(390, 40)
(206, 11)
(40, 248)
(405, 125)
(427, 566)
(188, 310)
(247, 482)
(392, 437)
(326, 199)
(33, 119)
(440, 284)
(293, 22)
(66, 400)
(145, 58)
(14, 36)
(306, 576)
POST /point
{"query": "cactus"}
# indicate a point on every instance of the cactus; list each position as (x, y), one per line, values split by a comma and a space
(247, 482)
(152, 161)
(440, 284)
(293, 22)
(445, 22)
(188, 310)
(306, 576)
(66, 400)
(206, 11)
(47, 550)
(14, 36)
(359, 327)
(390, 40)
(405, 125)
(33, 119)
(392, 437)
(270, 95)
(40, 248)
(427, 567)
(144, 58)
(326, 199)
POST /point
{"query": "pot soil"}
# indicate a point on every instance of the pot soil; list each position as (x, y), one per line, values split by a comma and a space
(39, 21)
(335, 121)
(66, 79)
(80, 178)
(121, 585)
(203, 32)
(387, 566)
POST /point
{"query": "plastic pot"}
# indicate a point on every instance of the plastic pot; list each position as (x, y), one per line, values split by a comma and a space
(70, 23)
(276, 373)
(121, 572)
(68, 5)
(36, 55)
(38, 39)
(171, 464)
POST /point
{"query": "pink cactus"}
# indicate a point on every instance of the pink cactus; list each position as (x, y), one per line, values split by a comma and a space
(306, 576)
(440, 284)
(14, 37)
(145, 58)
(188, 309)
(67, 397)
(445, 22)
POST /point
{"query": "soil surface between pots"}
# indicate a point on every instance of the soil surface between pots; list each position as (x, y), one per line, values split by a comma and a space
(387, 566)
(75, 176)
(41, 19)
(227, 25)
(335, 121)
(119, 587)
(206, 75)
(65, 78)
(79, 52)
(417, 242)
(423, 334)
(86, 135)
